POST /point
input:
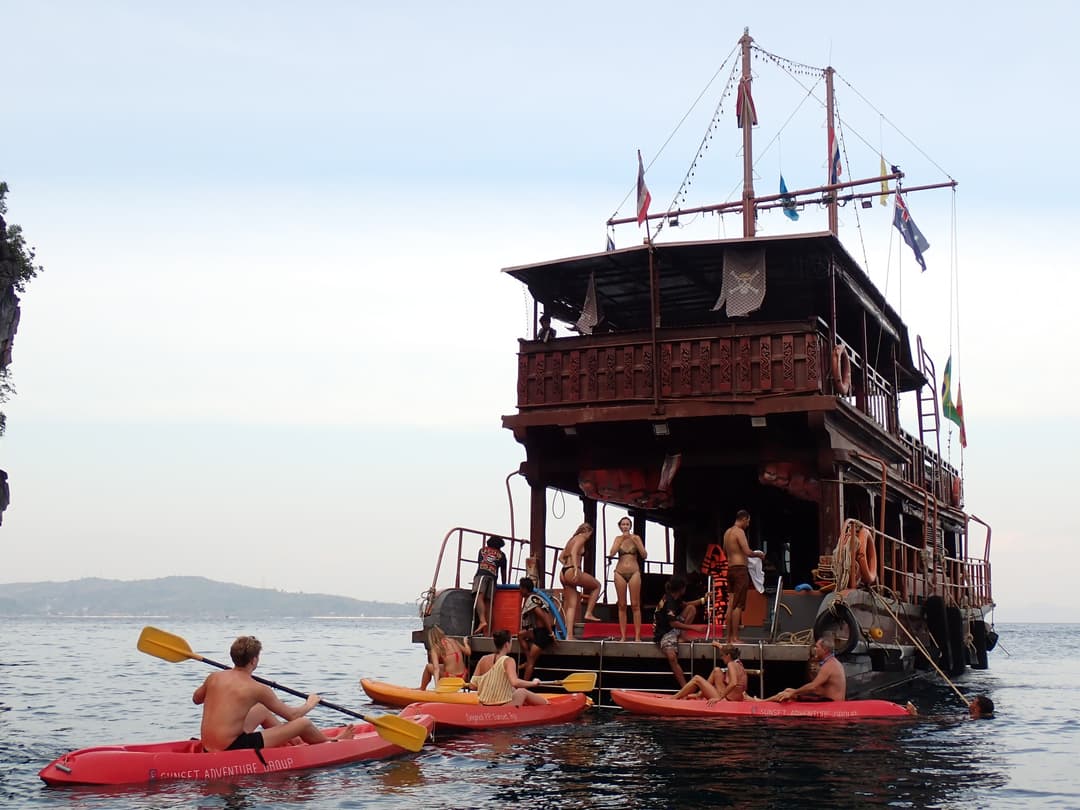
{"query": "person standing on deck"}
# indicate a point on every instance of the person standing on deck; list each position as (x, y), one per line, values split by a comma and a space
(737, 550)
(572, 577)
(490, 563)
(629, 549)
(235, 705)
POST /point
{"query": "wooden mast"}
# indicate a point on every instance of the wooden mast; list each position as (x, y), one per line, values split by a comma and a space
(746, 116)
(834, 226)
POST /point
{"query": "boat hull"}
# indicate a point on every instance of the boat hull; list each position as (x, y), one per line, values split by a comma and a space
(559, 709)
(662, 705)
(390, 694)
(185, 759)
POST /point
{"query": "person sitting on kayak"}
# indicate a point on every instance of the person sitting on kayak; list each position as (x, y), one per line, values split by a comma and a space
(490, 563)
(720, 685)
(235, 705)
(536, 625)
(500, 685)
(448, 657)
(830, 682)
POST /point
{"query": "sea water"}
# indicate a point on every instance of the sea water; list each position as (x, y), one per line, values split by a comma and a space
(72, 683)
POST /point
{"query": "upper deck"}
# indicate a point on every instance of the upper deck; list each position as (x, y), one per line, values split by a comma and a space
(810, 296)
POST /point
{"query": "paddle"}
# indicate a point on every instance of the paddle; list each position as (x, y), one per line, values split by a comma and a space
(398, 730)
(576, 682)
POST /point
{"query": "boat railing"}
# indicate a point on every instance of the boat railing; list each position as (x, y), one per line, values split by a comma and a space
(912, 573)
(460, 542)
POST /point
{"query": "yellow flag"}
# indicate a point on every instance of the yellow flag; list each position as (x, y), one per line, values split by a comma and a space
(884, 198)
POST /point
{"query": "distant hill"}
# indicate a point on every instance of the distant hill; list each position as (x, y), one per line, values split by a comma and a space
(181, 597)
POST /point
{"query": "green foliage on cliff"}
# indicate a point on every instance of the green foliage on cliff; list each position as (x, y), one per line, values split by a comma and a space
(16, 259)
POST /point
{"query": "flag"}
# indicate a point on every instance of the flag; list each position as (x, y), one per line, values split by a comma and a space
(610, 243)
(960, 413)
(954, 413)
(835, 169)
(912, 235)
(787, 202)
(744, 105)
(884, 198)
(590, 310)
(643, 195)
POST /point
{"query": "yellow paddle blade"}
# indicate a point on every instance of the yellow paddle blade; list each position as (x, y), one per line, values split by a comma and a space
(450, 685)
(165, 645)
(576, 682)
(401, 731)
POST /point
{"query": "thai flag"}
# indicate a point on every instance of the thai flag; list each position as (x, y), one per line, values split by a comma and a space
(643, 195)
(834, 158)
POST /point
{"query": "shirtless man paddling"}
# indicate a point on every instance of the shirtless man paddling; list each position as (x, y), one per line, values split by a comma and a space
(235, 705)
(737, 549)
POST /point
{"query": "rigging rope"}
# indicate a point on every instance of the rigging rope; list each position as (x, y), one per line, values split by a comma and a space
(633, 190)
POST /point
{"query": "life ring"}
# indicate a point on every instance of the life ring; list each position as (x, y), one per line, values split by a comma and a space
(866, 557)
(841, 371)
(833, 616)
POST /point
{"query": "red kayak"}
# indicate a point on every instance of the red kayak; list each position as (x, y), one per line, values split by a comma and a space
(654, 703)
(559, 709)
(185, 759)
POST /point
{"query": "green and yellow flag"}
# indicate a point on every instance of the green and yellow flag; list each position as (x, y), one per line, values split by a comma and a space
(953, 412)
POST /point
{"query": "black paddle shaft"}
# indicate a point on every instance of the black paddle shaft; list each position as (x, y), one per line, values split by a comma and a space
(296, 692)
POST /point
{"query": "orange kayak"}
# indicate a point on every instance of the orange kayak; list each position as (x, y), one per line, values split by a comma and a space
(559, 709)
(663, 705)
(390, 695)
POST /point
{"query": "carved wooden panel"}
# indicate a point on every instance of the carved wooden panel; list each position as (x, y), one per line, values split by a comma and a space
(813, 362)
(787, 368)
(665, 369)
(765, 363)
(724, 365)
(742, 366)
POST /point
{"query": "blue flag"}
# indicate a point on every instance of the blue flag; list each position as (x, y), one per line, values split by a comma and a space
(787, 202)
(610, 243)
(912, 235)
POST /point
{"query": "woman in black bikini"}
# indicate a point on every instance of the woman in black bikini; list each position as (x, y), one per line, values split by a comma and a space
(572, 578)
(628, 547)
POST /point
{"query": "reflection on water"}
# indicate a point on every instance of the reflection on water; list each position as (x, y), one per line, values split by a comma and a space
(71, 684)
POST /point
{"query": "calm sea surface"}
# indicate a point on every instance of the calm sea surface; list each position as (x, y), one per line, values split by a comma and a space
(68, 684)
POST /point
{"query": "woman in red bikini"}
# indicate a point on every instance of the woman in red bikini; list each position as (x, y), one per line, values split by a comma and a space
(449, 657)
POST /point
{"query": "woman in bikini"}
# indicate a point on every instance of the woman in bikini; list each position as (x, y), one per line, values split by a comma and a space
(628, 548)
(449, 658)
(572, 578)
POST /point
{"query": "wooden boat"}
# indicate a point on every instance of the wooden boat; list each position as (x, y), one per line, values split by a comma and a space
(559, 709)
(389, 694)
(664, 705)
(696, 378)
(185, 759)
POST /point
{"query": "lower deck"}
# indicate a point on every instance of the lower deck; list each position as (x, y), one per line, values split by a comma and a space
(871, 637)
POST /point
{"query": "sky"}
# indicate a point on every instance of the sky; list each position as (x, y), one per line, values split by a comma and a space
(272, 344)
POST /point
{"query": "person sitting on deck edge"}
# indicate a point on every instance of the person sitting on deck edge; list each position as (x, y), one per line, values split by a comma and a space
(537, 625)
(672, 617)
(235, 705)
